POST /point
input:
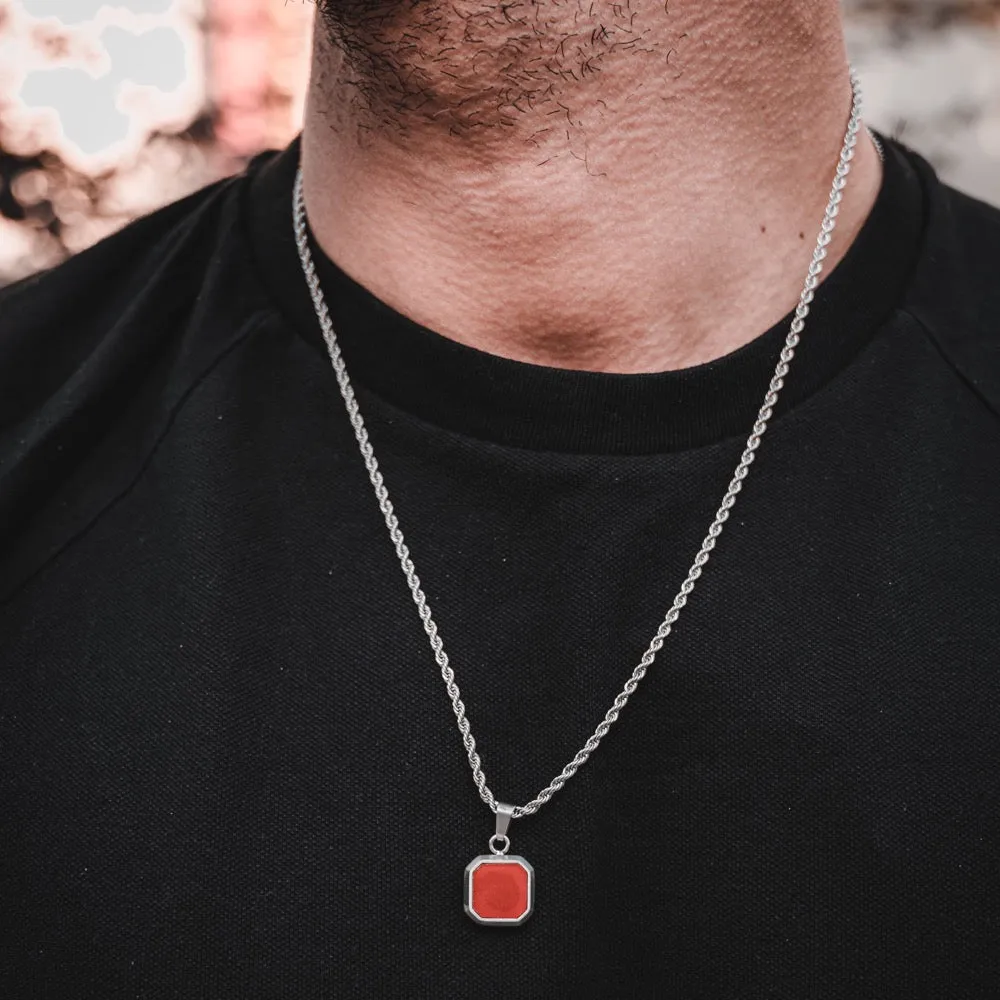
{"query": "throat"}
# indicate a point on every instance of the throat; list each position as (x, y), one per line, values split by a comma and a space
(651, 211)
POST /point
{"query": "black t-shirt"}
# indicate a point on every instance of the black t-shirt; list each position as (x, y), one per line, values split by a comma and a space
(228, 763)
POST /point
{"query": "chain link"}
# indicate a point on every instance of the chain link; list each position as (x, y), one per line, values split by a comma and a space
(714, 531)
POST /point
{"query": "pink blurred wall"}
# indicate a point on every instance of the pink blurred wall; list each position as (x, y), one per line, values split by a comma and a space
(258, 53)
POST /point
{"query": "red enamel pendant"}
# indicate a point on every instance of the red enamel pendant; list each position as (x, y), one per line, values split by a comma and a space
(500, 888)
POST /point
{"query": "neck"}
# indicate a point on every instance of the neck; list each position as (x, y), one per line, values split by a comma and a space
(613, 187)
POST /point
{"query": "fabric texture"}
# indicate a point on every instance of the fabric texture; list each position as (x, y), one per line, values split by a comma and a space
(228, 765)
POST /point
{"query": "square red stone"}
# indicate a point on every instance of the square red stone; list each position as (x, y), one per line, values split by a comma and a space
(499, 890)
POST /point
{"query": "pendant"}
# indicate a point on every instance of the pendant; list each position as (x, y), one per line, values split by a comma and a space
(500, 887)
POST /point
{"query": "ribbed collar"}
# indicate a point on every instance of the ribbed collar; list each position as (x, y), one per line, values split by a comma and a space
(532, 406)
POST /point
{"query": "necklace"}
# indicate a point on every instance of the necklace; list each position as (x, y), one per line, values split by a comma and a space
(500, 887)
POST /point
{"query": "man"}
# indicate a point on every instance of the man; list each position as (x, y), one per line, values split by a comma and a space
(561, 245)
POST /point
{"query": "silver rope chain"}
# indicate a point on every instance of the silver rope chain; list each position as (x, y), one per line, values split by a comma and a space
(714, 531)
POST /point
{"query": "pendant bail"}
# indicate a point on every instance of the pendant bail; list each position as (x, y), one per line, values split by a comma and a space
(500, 842)
(505, 813)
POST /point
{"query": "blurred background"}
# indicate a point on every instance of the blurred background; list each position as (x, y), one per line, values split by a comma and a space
(110, 108)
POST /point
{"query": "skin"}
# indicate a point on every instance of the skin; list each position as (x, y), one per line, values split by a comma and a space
(618, 187)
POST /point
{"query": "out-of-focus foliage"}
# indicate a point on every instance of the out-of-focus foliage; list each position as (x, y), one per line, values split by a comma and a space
(931, 70)
(110, 108)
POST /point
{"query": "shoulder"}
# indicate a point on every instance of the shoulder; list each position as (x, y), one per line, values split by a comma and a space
(154, 269)
(955, 291)
(97, 354)
(119, 299)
